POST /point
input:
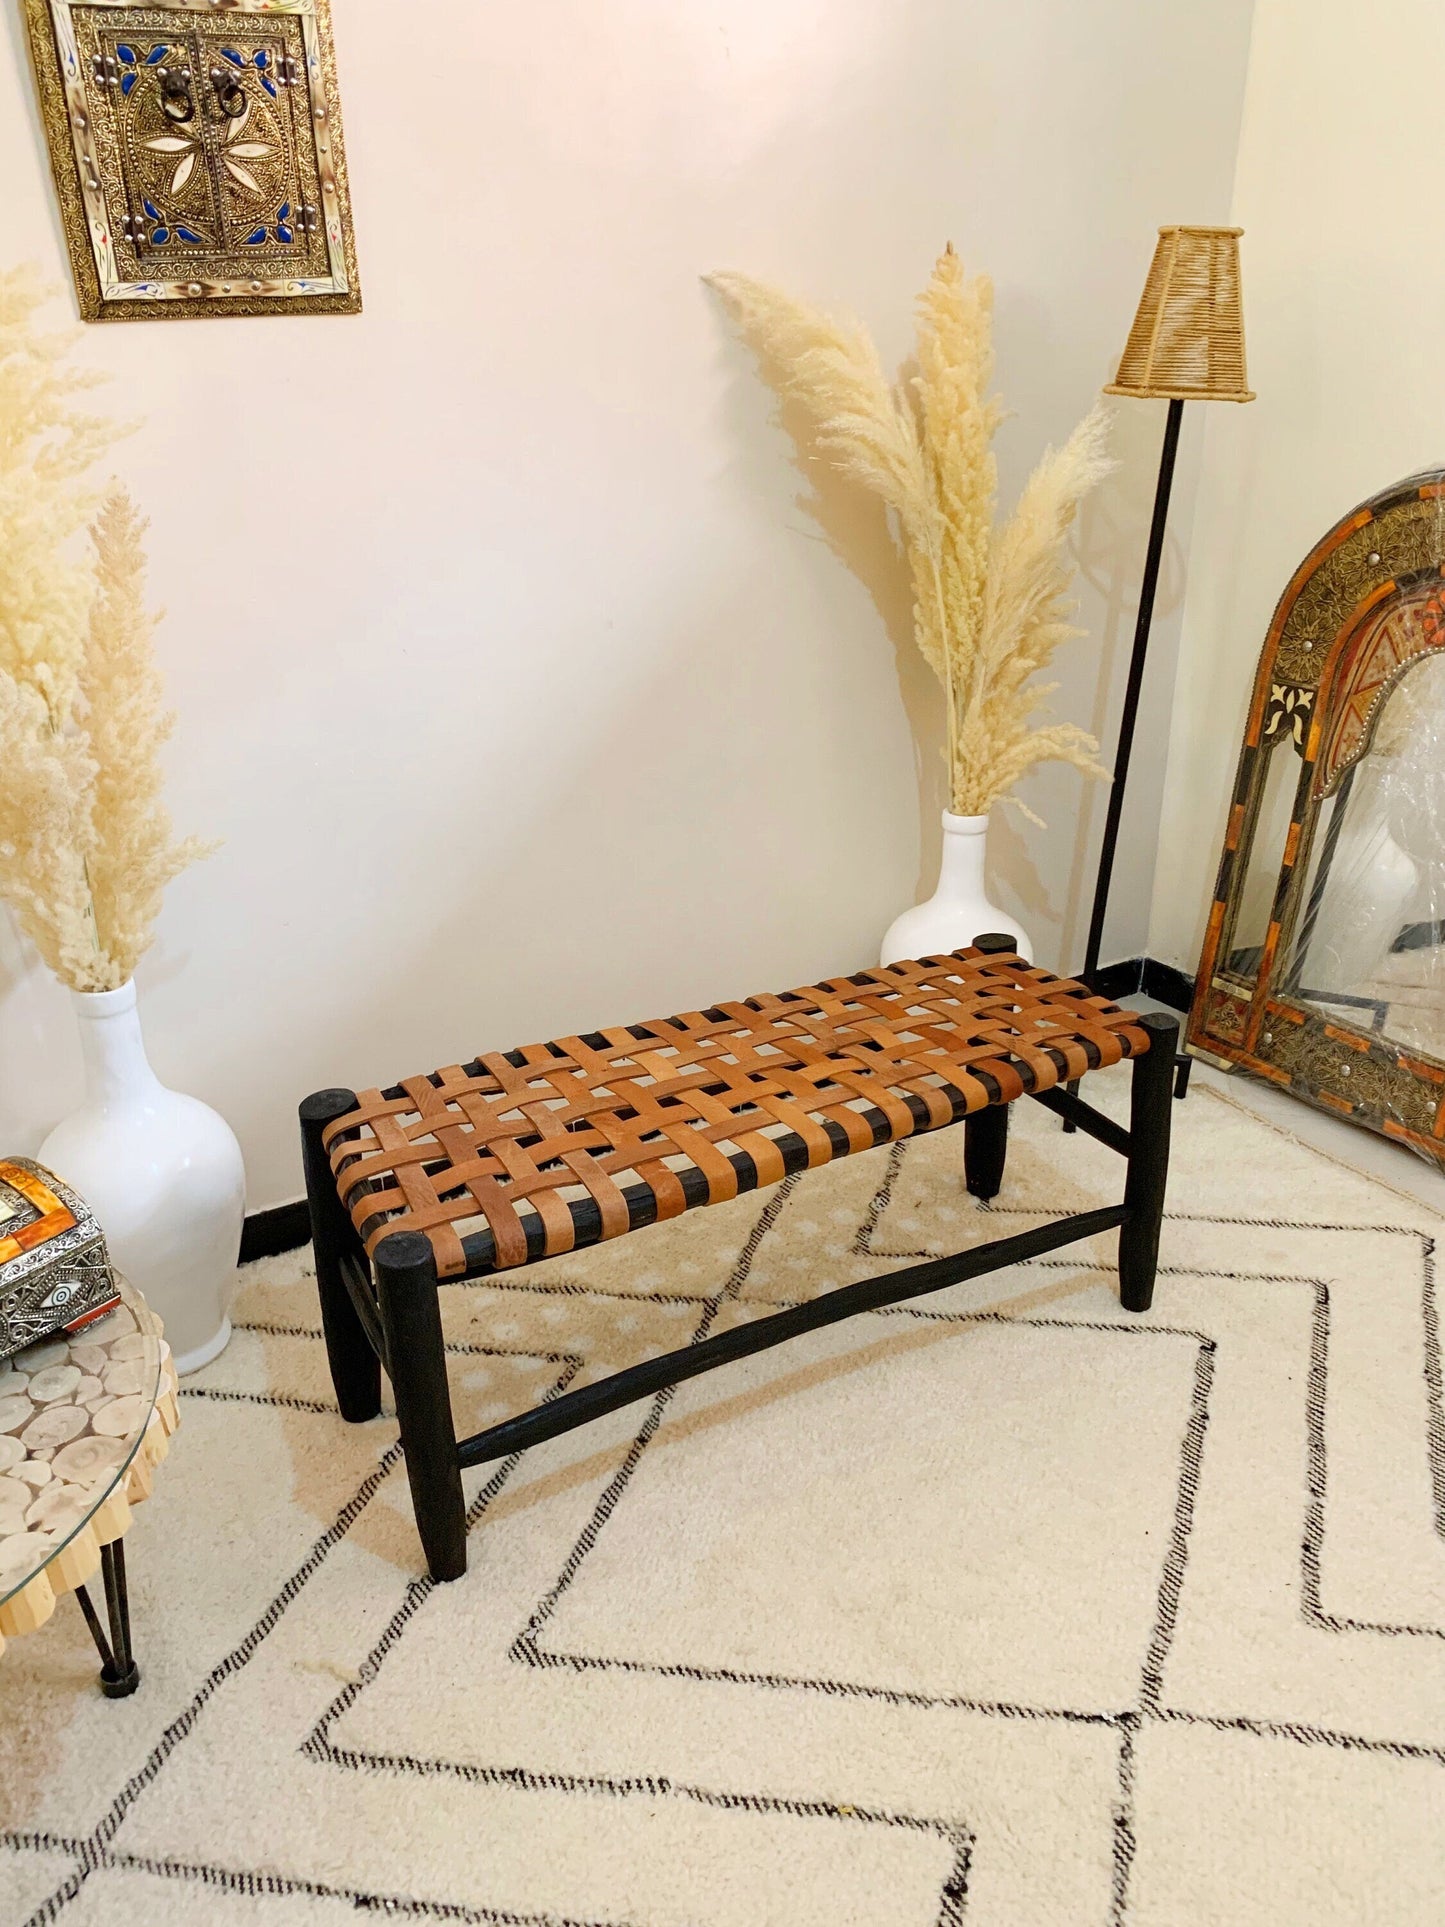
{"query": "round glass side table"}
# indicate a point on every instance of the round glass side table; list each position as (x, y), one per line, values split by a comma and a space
(84, 1421)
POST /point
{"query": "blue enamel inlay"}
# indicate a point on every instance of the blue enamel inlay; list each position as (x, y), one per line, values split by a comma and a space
(161, 236)
(283, 233)
(185, 234)
(127, 54)
(155, 54)
(229, 53)
(283, 213)
(127, 81)
(261, 57)
(251, 239)
(270, 87)
(151, 209)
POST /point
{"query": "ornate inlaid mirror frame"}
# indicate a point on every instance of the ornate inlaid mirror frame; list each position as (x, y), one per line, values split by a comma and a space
(197, 154)
(1306, 979)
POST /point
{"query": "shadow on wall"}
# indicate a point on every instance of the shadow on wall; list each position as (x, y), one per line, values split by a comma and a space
(854, 524)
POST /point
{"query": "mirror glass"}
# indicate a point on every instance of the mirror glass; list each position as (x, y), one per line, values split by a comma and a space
(1367, 946)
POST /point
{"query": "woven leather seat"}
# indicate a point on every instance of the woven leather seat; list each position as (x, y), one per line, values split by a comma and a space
(528, 1153)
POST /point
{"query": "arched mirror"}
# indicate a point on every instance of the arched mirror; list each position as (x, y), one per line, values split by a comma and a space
(1324, 960)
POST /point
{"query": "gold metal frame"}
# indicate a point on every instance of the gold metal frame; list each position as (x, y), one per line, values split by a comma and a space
(110, 282)
(1366, 604)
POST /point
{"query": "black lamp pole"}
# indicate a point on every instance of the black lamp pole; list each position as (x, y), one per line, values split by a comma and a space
(1132, 688)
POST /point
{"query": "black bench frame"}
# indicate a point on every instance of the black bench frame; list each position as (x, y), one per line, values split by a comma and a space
(385, 1312)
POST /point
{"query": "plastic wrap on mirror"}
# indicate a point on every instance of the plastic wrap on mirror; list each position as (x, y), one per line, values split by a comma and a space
(1369, 946)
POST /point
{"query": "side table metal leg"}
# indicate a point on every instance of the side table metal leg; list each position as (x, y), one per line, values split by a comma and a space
(97, 1631)
(120, 1678)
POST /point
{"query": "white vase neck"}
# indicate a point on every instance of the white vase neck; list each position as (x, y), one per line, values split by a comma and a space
(960, 868)
(111, 1046)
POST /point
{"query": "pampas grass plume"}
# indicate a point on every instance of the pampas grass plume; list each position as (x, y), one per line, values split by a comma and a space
(990, 602)
(86, 847)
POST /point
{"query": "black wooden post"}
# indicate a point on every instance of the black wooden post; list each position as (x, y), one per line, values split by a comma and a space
(355, 1370)
(406, 1289)
(985, 1150)
(985, 1133)
(1149, 1118)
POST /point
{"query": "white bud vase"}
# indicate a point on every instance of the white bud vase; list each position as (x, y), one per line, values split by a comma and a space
(959, 909)
(163, 1174)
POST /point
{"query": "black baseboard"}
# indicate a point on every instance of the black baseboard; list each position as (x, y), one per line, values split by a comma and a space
(286, 1227)
(1158, 980)
(266, 1234)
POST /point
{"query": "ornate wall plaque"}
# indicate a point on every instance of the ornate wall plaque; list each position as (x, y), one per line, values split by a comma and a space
(197, 151)
(1324, 959)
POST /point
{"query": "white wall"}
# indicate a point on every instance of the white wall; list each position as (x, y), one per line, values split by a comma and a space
(1338, 192)
(521, 689)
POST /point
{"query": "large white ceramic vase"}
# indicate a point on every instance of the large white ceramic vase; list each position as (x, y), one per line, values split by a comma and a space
(959, 909)
(161, 1171)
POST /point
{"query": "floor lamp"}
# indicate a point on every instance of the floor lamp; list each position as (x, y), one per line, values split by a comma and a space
(1186, 344)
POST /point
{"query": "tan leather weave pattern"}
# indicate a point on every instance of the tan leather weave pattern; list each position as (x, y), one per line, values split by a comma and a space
(639, 1105)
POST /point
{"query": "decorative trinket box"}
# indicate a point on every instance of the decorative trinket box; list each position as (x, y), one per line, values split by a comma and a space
(55, 1273)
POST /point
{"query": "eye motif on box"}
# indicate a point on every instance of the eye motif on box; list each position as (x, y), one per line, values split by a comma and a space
(199, 159)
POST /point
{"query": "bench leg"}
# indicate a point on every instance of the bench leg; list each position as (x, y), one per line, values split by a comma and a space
(985, 1148)
(1149, 1118)
(355, 1370)
(406, 1287)
(985, 1133)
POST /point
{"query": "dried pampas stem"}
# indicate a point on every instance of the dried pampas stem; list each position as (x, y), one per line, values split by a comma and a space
(989, 603)
(85, 843)
(46, 448)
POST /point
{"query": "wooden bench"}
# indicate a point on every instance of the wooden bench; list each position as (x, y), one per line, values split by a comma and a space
(524, 1155)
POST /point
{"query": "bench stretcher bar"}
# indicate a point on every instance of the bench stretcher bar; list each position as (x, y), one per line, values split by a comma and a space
(572, 1409)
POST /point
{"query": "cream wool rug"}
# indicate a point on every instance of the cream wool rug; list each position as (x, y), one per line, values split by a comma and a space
(1004, 1608)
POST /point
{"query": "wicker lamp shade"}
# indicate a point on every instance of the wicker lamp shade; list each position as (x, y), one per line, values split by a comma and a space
(1187, 341)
